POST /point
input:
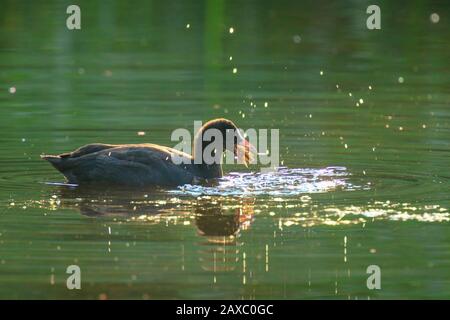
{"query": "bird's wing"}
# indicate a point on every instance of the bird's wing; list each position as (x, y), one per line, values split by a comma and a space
(87, 149)
(130, 164)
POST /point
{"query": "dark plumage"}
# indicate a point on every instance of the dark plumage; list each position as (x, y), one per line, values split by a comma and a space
(140, 165)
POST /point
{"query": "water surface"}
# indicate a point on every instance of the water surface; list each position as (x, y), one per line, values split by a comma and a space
(364, 144)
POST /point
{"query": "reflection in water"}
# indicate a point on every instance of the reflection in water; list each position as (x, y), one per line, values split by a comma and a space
(219, 222)
(224, 242)
(333, 215)
(216, 220)
(221, 210)
(220, 226)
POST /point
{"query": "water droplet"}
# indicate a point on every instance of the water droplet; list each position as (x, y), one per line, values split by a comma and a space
(102, 296)
(297, 39)
(434, 17)
(231, 30)
(188, 26)
(234, 70)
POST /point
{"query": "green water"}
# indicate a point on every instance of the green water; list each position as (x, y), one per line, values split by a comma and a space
(137, 67)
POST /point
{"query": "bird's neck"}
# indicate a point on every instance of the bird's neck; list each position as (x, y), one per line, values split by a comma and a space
(209, 171)
(206, 169)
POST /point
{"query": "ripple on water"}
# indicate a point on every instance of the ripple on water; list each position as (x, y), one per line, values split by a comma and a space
(291, 197)
(282, 182)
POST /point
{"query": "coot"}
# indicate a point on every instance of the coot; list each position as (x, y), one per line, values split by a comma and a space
(144, 165)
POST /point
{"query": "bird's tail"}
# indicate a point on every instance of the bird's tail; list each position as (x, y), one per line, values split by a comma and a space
(56, 161)
(61, 164)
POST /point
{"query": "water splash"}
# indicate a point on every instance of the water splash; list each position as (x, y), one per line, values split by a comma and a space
(282, 182)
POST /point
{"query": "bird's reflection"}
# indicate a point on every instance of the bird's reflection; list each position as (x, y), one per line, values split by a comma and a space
(220, 226)
(218, 221)
(214, 216)
(221, 221)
